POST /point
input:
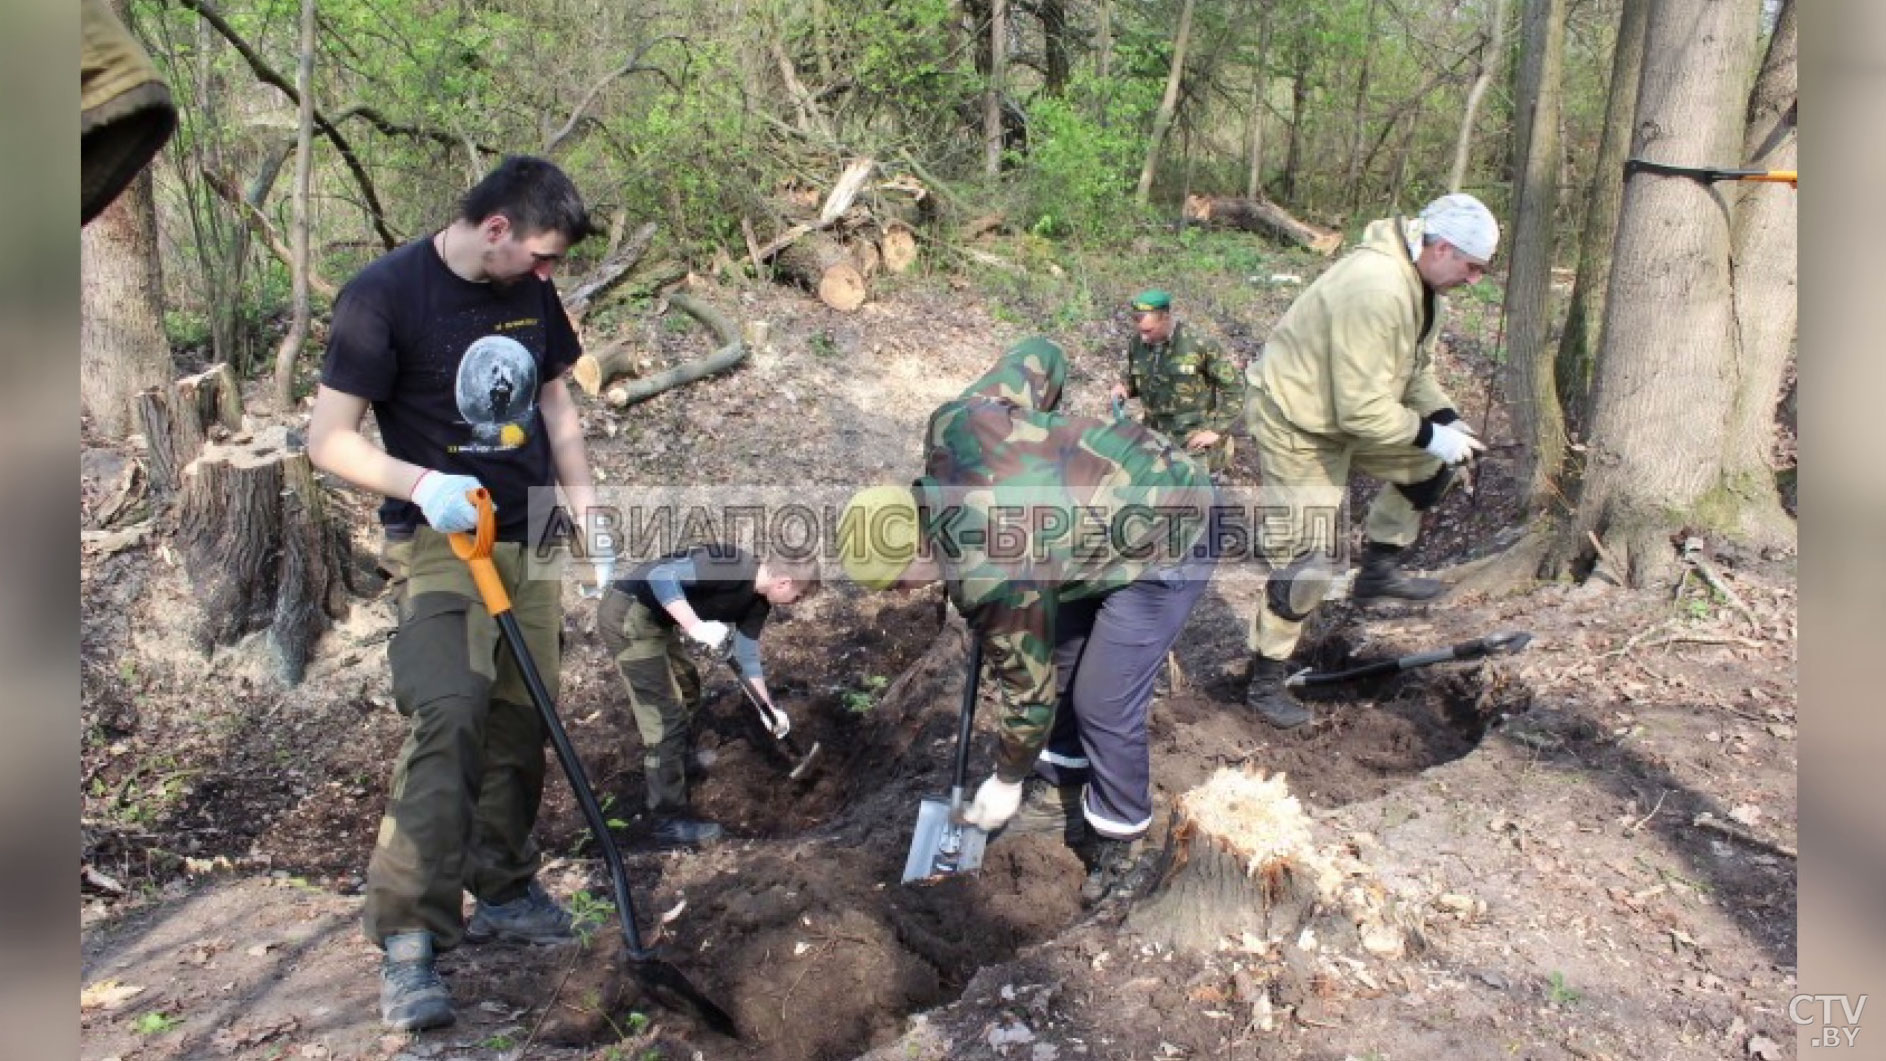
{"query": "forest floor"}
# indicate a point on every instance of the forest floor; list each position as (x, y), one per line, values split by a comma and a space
(1537, 822)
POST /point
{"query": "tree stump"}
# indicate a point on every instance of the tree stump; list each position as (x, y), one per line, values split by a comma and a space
(866, 256)
(595, 371)
(259, 549)
(1239, 860)
(178, 421)
(1264, 217)
(821, 264)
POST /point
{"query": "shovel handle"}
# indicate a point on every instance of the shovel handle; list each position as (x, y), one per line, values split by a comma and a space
(966, 725)
(475, 550)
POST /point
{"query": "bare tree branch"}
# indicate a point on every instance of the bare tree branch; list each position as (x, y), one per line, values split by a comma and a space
(633, 66)
(270, 76)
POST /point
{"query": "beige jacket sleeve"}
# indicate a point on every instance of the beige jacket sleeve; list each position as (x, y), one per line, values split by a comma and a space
(1424, 394)
(1367, 397)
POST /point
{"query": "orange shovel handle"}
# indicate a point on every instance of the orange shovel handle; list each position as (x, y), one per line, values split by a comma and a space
(475, 550)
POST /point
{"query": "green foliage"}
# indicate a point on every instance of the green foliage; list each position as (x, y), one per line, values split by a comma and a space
(156, 1023)
(587, 914)
(861, 700)
(1077, 181)
(1559, 993)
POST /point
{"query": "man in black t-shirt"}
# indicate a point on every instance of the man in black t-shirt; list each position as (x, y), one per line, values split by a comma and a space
(712, 593)
(459, 344)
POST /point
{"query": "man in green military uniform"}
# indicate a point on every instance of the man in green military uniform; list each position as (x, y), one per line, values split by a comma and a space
(1191, 391)
(1347, 380)
(1072, 547)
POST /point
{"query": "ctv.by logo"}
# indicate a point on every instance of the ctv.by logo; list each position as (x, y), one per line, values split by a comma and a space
(1801, 1011)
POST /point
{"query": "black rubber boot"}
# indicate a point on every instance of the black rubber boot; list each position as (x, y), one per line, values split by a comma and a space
(1381, 577)
(1117, 868)
(1268, 697)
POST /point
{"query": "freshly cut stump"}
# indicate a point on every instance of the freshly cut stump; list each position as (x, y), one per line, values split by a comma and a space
(1240, 860)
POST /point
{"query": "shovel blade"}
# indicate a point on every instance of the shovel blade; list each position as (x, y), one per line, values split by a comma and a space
(941, 847)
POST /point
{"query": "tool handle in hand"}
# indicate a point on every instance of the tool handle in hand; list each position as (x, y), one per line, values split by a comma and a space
(475, 550)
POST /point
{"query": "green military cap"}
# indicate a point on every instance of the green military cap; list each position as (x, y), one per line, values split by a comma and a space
(1153, 301)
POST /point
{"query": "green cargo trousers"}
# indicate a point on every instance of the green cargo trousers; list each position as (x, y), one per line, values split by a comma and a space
(470, 777)
(664, 693)
(1304, 480)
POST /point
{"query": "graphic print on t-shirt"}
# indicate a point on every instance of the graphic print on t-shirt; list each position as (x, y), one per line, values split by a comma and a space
(497, 394)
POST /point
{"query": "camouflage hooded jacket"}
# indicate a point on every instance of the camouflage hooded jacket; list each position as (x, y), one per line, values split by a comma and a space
(1025, 508)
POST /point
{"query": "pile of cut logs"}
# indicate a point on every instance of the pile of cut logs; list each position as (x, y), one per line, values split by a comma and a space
(837, 251)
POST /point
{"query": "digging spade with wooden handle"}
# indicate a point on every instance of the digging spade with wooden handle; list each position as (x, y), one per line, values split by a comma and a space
(774, 720)
(662, 981)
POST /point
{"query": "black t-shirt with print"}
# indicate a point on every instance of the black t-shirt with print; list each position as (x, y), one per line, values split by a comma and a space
(454, 370)
(722, 587)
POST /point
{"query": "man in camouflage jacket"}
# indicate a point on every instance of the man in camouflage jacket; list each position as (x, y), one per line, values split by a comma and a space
(1191, 391)
(1074, 549)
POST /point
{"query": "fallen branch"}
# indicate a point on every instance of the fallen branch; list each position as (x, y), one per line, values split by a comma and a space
(1693, 556)
(1711, 823)
(602, 279)
(732, 351)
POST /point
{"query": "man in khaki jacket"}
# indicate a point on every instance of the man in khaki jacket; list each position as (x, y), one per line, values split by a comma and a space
(1345, 381)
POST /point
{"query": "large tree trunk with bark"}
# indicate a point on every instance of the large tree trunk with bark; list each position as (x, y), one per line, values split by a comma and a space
(1533, 397)
(992, 95)
(1764, 241)
(1584, 321)
(1489, 65)
(1260, 94)
(1665, 390)
(122, 349)
(259, 548)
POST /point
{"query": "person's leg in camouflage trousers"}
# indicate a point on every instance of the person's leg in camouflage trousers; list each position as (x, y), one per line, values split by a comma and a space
(664, 690)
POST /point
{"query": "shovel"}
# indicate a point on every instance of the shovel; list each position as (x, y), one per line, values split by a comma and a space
(1710, 175)
(775, 722)
(1491, 645)
(660, 980)
(942, 845)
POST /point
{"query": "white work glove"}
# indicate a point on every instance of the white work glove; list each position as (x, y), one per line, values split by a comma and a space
(443, 499)
(995, 803)
(603, 573)
(599, 549)
(711, 634)
(1452, 444)
(777, 721)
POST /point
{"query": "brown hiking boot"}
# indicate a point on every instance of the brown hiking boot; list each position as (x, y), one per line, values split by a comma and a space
(1268, 697)
(1381, 578)
(1048, 809)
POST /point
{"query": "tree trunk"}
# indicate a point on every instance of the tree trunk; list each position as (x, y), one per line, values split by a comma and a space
(259, 550)
(122, 349)
(1764, 241)
(1264, 216)
(1534, 401)
(297, 336)
(1054, 47)
(1490, 57)
(992, 96)
(1584, 321)
(179, 419)
(1260, 92)
(1359, 120)
(820, 263)
(1104, 46)
(1665, 390)
(1168, 104)
(1299, 104)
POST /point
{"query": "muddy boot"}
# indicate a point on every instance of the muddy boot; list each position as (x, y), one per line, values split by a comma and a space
(1115, 868)
(412, 996)
(1381, 578)
(533, 917)
(1049, 809)
(1268, 697)
(685, 832)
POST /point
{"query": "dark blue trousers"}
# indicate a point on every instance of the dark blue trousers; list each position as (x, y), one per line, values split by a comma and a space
(1107, 655)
